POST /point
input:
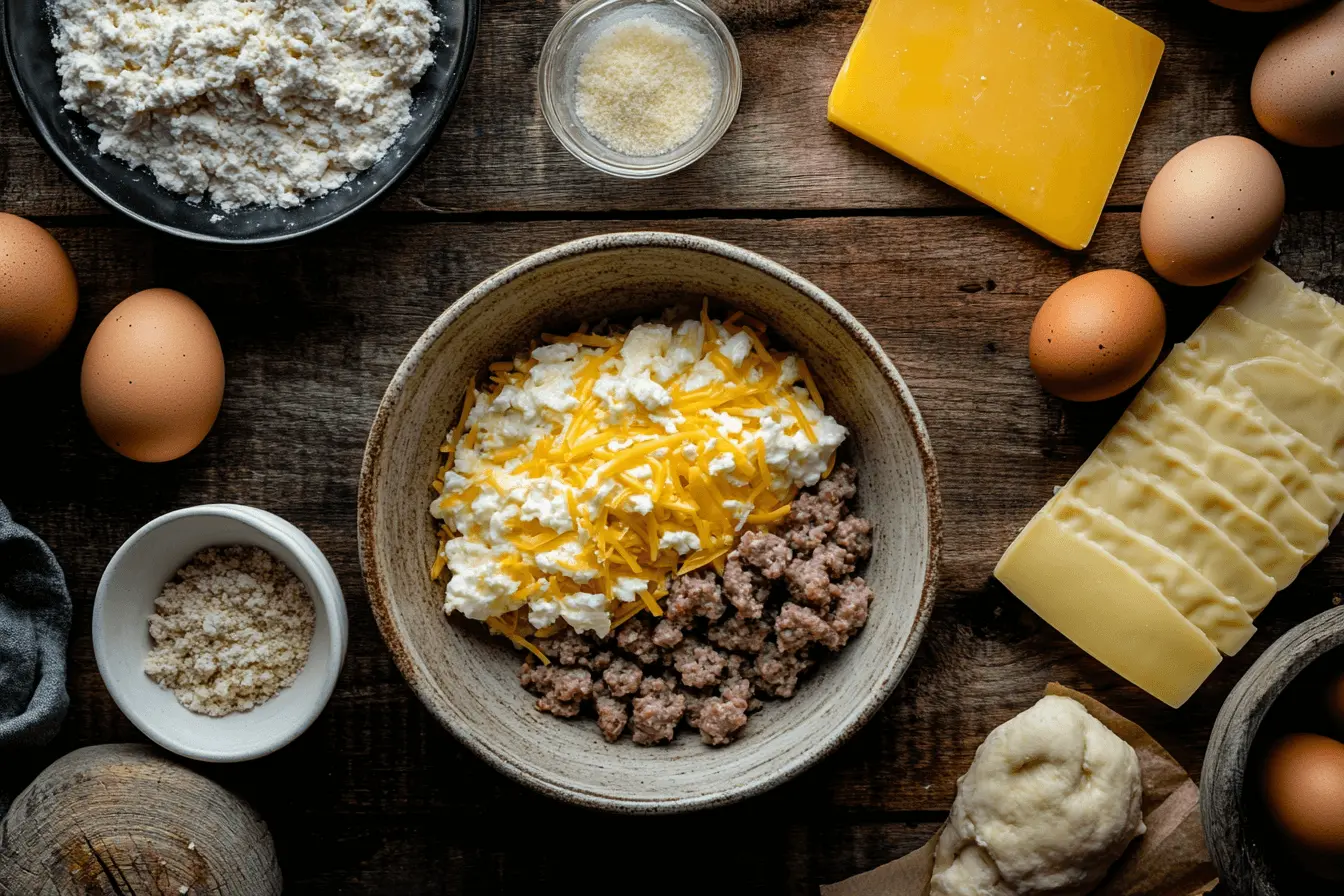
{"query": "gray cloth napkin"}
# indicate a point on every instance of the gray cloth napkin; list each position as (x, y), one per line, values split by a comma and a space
(34, 629)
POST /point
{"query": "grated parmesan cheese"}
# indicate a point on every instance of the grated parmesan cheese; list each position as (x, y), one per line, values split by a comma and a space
(644, 87)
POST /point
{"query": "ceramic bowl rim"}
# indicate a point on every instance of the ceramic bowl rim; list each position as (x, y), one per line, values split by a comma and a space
(1242, 713)
(329, 600)
(379, 600)
(413, 154)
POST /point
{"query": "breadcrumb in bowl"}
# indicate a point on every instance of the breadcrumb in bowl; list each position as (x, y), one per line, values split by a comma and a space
(135, 579)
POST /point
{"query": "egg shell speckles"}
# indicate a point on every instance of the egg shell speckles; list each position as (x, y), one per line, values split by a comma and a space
(1297, 93)
(1212, 210)
(38, 294)
(153, 376)
(1097, 335)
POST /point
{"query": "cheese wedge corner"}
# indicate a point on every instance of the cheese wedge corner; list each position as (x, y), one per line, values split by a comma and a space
(1108, 610)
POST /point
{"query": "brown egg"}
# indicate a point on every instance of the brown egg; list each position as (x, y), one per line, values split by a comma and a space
(1097, 335)
(1302, 781)
(1261, 5)
(38, 294)
(1212, 210)
(153, 376)
(1297, 93)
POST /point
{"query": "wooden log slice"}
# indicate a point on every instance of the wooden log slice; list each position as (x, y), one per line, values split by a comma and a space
(123, 820)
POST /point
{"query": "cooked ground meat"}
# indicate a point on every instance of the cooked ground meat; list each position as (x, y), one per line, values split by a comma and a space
(786, 598)
(852, 598)
(797, 626)
(778, 670)
(657, 713)
(736, 633)
(746, 588)
(834, 559)
(612, 715)
(568, 647)
(667, 634)
(634, 639)
(561, 690)
(699, 665)
(768, 553)
(720, 720)
(809, 582)
(694, 594)
(840, 487)
(623, 677)
(854, 534)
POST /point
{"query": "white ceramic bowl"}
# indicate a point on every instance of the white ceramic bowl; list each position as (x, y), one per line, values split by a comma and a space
(469, 679)
(136, 576)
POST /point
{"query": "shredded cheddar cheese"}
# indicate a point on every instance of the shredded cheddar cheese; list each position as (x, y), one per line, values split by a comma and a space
(591, 469)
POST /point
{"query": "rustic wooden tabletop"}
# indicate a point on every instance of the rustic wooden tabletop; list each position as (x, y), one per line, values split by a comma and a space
(377, 797)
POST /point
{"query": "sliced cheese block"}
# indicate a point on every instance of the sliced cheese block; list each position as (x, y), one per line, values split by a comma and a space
(1224, 477)
(1303, 401)
(1107, 609)
(1269, 296)
(1231, 337)
(1325, 473)
(1171, 521)
(1333, 308)
(1187, 425)
(1221, 618)
(1131, 445)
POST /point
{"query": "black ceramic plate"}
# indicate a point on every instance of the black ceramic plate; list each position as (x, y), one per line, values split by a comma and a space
(25, 31)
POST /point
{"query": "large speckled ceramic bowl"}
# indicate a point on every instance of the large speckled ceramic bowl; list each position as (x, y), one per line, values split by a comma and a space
(469, 679)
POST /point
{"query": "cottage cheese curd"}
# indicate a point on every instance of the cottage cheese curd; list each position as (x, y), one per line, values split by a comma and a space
(592, 468)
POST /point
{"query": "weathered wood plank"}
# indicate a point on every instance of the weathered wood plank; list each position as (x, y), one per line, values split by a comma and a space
(377, 797)
(496, 154)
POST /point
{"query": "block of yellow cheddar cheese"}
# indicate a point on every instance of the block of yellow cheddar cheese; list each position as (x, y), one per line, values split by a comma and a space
(1026, 105)
(1107, 609)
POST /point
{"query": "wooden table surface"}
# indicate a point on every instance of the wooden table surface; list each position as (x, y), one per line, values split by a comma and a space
(377, 797)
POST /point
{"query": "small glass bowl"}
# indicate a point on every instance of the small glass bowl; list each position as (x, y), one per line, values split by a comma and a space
(571, 39)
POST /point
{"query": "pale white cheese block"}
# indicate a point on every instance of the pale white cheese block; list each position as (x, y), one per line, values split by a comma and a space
(1269, 296)
(1131, 445)
(1222, 480)
(1146, 505)
(1303, 401)
(1221, 618)
(1107, 609)
(1325, 472)
(1228, 336)
(1299, 492)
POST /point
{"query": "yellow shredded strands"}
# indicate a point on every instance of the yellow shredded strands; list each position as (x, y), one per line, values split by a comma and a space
(772, 516)
(593, 461)
(811, 386)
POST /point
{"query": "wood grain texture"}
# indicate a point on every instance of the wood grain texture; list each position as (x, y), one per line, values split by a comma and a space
(376, 797)
(125, 820)
(781, 153)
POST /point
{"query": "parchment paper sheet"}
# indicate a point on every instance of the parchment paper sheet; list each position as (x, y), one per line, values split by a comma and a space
(1170, 859)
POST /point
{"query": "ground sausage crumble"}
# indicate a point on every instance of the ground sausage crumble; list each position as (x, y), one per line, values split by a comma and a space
(786, 598)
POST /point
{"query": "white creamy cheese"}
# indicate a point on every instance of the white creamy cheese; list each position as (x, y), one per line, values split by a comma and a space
(679, 540)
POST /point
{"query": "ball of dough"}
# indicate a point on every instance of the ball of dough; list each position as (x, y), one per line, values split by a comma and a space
(1050, 802)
